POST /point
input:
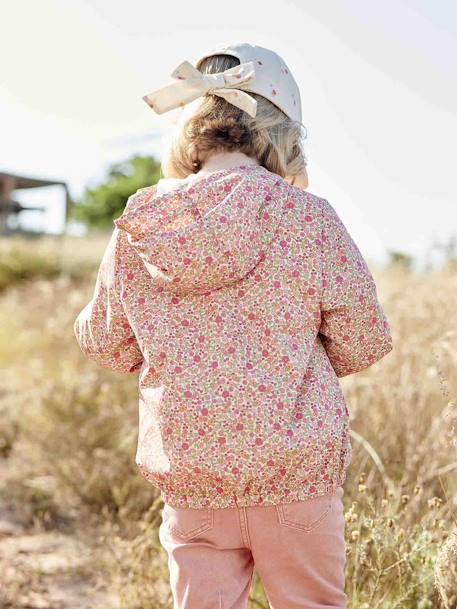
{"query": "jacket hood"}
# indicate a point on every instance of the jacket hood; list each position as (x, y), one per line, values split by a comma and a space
(204, 234)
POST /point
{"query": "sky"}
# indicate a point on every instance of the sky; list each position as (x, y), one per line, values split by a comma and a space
(378, 83)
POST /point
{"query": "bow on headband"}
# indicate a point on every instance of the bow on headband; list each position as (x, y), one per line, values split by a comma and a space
(192, 84)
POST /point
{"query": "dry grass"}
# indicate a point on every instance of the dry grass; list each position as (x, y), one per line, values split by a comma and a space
(68, 434)
(47, 257)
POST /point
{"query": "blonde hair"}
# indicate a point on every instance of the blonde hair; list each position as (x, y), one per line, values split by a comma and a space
(272, 138)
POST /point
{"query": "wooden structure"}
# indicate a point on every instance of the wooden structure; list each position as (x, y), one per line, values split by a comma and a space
(8, 206)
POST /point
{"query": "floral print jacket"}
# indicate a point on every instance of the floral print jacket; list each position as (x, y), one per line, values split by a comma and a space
(239, 299)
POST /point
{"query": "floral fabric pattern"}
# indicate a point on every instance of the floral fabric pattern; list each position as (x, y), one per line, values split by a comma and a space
(240, 300)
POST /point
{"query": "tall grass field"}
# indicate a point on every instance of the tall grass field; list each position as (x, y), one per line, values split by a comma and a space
(78, 522)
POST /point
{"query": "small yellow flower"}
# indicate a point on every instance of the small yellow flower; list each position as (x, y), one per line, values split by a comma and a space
(355, 535)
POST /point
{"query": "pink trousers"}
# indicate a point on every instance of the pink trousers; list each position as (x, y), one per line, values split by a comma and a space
(298, 550)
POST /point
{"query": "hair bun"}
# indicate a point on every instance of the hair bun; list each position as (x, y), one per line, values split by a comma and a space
(225, 131)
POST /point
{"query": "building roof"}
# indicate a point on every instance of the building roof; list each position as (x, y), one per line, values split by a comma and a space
(28, 182)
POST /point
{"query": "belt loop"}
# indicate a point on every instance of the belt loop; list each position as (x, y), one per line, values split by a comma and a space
(244, 526)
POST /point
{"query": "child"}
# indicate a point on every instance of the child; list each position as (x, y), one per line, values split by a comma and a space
(240, 299)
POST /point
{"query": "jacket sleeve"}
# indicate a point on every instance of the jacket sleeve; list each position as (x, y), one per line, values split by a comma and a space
(102, 329)
(354, 329)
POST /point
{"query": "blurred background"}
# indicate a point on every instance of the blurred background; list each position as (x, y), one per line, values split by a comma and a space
(378, 86)
(78, 524)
